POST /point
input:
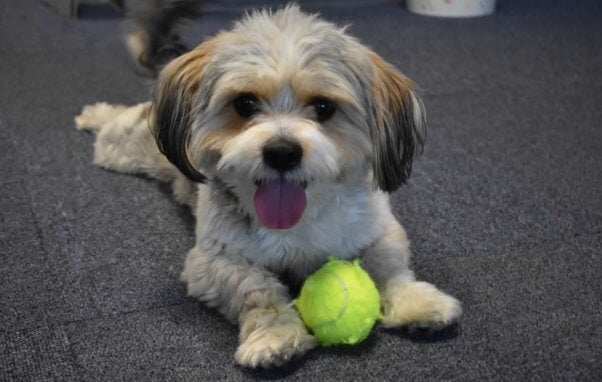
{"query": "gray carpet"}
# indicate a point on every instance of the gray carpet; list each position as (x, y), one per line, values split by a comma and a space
(503, 207)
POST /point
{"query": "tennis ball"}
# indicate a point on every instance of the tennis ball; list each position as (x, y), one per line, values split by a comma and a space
(339, 303)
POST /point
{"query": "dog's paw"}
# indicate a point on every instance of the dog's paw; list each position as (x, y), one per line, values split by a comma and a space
(93, 117)
(273, 341)
(418, 304)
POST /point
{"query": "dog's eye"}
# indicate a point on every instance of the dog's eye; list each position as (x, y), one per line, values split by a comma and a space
(246, 105)
(324, 108)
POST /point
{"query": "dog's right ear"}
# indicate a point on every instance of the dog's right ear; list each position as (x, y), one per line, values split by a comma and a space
(175, 97)
(397, 130)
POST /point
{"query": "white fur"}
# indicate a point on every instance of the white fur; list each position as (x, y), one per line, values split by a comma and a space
(235, 263)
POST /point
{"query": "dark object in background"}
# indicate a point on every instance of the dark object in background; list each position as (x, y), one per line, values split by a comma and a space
(65, 8)
(155, 42)
(70, 8)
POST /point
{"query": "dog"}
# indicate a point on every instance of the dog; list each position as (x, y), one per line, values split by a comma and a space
(285, 136)
(154, 39)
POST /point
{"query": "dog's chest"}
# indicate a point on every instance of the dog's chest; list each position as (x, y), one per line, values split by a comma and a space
(341, 227)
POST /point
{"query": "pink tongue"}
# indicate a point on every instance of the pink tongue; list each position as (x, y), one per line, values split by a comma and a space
(279, 204)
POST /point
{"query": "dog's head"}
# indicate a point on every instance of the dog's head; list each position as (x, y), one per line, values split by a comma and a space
(282, 102)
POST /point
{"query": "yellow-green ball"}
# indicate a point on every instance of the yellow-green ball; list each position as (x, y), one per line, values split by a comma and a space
(339, 303)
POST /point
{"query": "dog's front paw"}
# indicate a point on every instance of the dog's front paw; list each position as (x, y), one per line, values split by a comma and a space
(270, 339)
(418, 304)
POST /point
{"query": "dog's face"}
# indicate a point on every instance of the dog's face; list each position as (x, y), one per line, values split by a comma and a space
(281, 104)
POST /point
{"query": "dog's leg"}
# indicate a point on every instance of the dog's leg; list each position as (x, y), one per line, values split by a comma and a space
(94, 117)
(124, 143)
(271, 331)
(405, 301)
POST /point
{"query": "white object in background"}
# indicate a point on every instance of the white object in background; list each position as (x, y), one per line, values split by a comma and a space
(452, 8)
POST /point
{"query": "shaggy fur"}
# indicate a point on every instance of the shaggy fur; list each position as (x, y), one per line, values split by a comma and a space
(287, 60)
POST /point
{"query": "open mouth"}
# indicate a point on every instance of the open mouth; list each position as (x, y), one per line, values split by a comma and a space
(279, 203)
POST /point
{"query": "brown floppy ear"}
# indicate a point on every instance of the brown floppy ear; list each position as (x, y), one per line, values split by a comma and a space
(398, 126)
(175, 100)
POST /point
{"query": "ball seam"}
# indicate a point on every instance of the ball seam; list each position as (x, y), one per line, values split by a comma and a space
(346, 303)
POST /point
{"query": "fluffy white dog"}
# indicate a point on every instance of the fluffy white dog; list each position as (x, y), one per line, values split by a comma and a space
(284, 135)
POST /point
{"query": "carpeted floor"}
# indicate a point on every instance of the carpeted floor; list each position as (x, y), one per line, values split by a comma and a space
(503, 208)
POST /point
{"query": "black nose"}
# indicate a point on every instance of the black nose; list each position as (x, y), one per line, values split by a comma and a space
(282, 154)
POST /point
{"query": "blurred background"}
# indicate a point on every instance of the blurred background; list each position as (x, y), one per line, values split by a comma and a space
(503, 207)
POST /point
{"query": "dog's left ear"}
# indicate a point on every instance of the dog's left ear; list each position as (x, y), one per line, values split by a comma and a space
(175, 104)
(397, 128)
